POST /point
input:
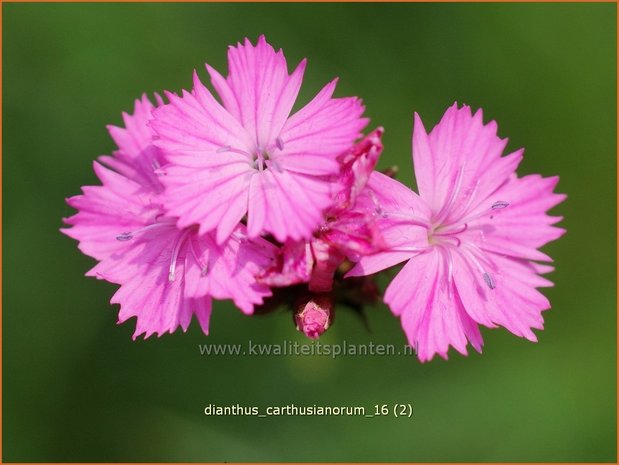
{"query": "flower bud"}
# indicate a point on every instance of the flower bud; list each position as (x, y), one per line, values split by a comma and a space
(314, 316)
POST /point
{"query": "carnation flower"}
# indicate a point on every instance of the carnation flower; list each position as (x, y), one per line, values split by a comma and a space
(166, 274)
(470, 239)
(248, 156)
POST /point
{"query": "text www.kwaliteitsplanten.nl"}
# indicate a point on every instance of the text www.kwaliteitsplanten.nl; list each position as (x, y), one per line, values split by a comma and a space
(294, 348)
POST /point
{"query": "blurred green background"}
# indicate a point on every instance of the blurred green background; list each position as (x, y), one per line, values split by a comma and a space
(76, 388)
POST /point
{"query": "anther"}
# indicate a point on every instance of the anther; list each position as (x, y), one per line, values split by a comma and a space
(280, 143)
(377, 208)
(223, 149)
(127, 236)
(489, 281)
(500, 205)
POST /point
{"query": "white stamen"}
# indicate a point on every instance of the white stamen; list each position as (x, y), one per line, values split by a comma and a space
(196, 257)
(456, 219)
(452, 238)
(408, 249)
(227, 148)
(450, 232)
(177, 248)
(453, 194)
(448, 264)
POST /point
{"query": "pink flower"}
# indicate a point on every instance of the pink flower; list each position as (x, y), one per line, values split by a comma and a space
(248, 156)
(470, 240)
(344, 233)
(166, 274)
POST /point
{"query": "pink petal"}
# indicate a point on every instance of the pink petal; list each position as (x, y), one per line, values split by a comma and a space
(197, 124)
(513, 303)
(356, 167)
(146, 291)
(285, 204)
(231, 269)
(355, 234)
(203, 308)
(459, 164)
(400, 216)
(431, 312)
(324, 128)
(104, 212)
(261, 91)
(221, 206)
(522, 227)
(161, 300)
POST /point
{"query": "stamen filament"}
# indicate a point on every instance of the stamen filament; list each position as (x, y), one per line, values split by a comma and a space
(175, 251)
(496, 206)
(453, 194)
(406, 217)
(408, 249)
(129, 235)
(449, 232)
(471, 250)
(227, 148)
(196, 257)
(452, 238)
(448, 263)
(469, 202)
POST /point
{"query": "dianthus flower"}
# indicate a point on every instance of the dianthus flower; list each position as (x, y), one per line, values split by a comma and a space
(470, 239)
(248, 156)
(166, 274)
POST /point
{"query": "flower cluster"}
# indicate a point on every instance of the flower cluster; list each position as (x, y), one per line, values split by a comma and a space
(237, 198)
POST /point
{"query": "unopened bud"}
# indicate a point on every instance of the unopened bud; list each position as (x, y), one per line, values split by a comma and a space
(314, 316)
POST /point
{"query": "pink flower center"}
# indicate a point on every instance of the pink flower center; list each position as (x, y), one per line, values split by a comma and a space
(260, 158)
(447, 229)
(449, 235)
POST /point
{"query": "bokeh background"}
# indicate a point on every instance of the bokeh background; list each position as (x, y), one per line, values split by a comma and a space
(77, 388)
